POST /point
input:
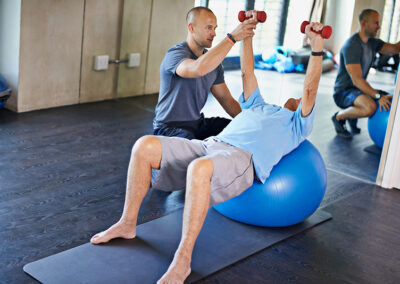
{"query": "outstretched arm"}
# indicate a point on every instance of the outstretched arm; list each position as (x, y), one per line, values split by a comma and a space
(206, 63)
(314, 70)
(247, 65)
(390, 48)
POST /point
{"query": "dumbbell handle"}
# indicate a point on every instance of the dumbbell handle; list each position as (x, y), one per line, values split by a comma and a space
(261, 16)
(325, 32)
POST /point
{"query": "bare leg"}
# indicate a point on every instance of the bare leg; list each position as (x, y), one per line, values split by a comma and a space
(146, 154)
(364, 106)
(197, 201)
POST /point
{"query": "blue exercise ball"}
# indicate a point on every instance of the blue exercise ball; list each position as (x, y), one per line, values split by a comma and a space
(5, 91)
(377, 124)
(292, 192)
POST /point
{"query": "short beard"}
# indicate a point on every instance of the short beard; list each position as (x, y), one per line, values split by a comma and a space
(370, 34)
(201, 45)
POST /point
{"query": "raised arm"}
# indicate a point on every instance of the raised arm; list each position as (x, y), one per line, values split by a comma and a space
(314, 69)
(206, 63)
(247, 65)
(249, 79)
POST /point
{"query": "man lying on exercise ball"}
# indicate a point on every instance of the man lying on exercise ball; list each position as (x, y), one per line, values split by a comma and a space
(223, 166)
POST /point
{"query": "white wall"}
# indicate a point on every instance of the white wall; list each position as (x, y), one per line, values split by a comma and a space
(10, 23)
(389, 167)
(339, 15)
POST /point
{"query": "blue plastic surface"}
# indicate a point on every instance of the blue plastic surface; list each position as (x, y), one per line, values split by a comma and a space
(5, 91)
(377, 124)
(3, 84)
(293, 191)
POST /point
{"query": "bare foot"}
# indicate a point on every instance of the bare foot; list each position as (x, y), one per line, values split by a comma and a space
(118, 230)
(177, 271)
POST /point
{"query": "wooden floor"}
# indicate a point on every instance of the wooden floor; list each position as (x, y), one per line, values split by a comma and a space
(63, 172)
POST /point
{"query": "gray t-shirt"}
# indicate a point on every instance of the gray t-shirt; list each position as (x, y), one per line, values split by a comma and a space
(356, 51)
(181, 99)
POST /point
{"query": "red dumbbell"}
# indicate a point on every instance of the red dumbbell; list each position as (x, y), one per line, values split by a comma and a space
(325, 32)
(261, 16)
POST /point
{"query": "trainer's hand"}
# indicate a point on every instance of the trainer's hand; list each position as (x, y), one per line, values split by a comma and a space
(252, 16)
(316, 40)
(244, 29)
(384, 103)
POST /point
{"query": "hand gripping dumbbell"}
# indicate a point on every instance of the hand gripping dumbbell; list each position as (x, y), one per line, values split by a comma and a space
(261, 16)
(325, 32)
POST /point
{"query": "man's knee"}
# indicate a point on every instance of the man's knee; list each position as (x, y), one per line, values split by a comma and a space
(201, 168)
(366, 103)
(370, 108)
(146, 147)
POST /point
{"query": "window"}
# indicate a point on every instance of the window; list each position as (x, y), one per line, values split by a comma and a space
(391, 21)
(226, 12)
(299, 11)
(269, 34)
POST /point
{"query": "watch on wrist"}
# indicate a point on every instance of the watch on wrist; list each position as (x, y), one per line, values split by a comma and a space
(317, 53)
(377, 96)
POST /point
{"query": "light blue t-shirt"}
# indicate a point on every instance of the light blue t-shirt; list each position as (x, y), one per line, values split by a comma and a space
(266, 131)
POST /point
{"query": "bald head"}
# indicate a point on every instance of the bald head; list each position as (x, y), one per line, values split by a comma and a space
(195, 12)
(366, 14)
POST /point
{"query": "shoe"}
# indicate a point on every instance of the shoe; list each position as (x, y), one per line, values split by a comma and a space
(340, 127)
(353, 126)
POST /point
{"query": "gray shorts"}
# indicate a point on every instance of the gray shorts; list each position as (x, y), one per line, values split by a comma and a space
(233, 167)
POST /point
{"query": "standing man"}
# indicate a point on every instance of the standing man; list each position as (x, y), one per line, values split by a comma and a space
(353, 93)
(188, 72)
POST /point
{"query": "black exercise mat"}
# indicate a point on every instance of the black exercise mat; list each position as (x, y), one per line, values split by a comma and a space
(144, 259)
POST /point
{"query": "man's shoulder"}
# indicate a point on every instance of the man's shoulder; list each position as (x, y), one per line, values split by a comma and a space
(374, 41)
(175, 54)
(353, 41)
(182, 46)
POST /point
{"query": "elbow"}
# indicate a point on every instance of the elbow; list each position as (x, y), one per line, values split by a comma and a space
(356, 81)
(200, 72)
(246, 73)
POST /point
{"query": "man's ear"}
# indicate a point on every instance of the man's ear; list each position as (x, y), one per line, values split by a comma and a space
(363, 23)
(191, 27)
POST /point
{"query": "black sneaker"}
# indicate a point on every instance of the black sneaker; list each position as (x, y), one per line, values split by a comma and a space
(353, 126)
(340, 127)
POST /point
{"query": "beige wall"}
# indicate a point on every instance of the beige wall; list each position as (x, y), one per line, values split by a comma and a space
(338, 14)
(101, 37)
(134, 39)
(50, 53)
(163, 36)
(59, 40)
